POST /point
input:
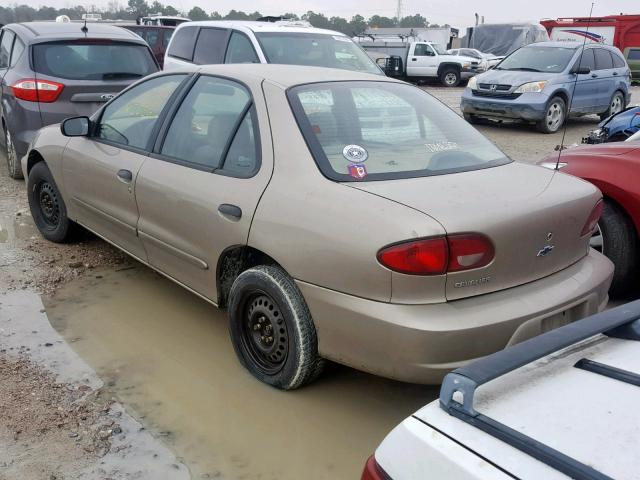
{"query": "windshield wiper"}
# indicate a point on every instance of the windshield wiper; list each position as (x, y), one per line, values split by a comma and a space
(112, 75)
(524, 69)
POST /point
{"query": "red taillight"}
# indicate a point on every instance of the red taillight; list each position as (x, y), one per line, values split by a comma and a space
(593, 219)
(437, 256)
(373, 471)
(33, 90)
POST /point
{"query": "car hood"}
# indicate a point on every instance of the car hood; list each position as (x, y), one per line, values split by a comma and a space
(533, 217)
(505, 77)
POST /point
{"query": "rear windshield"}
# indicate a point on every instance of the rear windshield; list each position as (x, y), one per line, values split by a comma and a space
(319, 50)
(93, 61)
(538, 59)
(382, 130)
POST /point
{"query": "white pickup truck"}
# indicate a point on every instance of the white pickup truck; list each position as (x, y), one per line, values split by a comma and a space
(417, 60)
(563, 405)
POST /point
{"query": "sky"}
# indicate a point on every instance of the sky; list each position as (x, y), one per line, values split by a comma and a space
(458, 13)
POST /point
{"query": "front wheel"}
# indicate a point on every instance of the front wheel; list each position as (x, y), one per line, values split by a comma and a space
(450, 77)
(616, 105)
(272, 330)
(13, 162)
(554, 116)
(48, 209)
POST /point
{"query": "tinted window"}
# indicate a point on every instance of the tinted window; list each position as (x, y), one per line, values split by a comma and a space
(183, 42)
(603, 59)
(538, 59)
(18, 49)
(5, 47)
(206, 121)
(422, 50)
(210, 47)
(240, 50)
(315, 49)
(618, 61)
(130, 118)
(634, 54)
(166, 37)
(93, 61)
(587, 59)
(397, 130)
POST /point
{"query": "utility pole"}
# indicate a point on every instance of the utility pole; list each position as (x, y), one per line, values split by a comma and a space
(399, 12)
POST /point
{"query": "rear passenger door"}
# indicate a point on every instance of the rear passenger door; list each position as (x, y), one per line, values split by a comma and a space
(199, 191)
(606, 80)
(586, 86)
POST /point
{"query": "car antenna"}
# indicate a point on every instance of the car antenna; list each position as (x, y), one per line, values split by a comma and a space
(575, 84)
(84, 27)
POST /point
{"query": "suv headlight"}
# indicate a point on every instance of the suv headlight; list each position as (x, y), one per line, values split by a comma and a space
(531, 87)
(472, 83)
(466, 65)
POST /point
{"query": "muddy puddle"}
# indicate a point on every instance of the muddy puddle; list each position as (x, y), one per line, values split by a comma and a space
(167, 356)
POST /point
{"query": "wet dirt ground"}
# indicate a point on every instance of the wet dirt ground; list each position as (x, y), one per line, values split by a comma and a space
(161, 359)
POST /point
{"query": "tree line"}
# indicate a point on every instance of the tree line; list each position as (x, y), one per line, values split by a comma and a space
(139, 8)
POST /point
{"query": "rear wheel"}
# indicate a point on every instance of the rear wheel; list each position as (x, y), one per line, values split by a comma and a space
(616, 105)
(616, 237)
(47, 206)
(272, 330)
(554, 116)
(450, 77)
(13, 162)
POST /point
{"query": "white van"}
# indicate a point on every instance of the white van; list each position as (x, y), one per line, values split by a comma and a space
(284, 42)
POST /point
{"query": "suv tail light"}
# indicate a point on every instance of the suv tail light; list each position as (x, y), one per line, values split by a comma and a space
(32, 90)
(373, 471)
(437, 256)
(593, 219)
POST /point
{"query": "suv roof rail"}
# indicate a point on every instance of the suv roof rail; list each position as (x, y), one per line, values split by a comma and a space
(621, 322)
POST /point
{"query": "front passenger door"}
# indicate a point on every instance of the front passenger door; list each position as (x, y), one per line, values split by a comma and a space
(100, 170)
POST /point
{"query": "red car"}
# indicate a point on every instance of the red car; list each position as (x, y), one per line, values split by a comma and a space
(615, 169)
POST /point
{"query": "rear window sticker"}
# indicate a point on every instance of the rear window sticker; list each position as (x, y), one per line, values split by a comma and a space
(355, 153)
(357, 171)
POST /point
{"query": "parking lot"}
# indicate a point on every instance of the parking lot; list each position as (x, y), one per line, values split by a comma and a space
(166, 355)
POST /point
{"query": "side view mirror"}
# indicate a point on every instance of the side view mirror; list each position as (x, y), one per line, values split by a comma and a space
(75, 127)
(582, 70)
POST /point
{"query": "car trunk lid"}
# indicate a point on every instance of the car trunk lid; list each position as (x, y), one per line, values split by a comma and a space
(533, 216)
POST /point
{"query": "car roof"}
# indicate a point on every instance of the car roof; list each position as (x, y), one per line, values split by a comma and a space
(45, 31)
(256, 26)
(572, 45)
(285, 75)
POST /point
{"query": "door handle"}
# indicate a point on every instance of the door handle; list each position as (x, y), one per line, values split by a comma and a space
(593, 75)
(615, 74)
(230, 210)
(125, 176)
(414, 59)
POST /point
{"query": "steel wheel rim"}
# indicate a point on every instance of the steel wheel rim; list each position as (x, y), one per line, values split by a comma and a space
(597, 239)
(616, 105)
(555, 116)
(11, 152)
(264, 333)
(450, 78)
(49, 203)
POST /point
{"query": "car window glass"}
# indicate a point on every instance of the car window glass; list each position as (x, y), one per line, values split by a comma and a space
(634, 54)
(240, 50)
(18, 48)
(587, 60)
(5, 47)
(603, 59)
(242, 158)
(130, 118)
(210, 46)
(166, 37)
(422, 50)
(205, 121)
(151, 37)
(184, 40)
(618, 61)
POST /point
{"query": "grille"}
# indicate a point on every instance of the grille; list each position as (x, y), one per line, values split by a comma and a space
(499, 87)
(504, 96)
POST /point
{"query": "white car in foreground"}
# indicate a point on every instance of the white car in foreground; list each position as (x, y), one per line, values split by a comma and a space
(565, 404)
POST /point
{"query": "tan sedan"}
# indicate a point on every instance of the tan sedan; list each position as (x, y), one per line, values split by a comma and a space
(336, 215)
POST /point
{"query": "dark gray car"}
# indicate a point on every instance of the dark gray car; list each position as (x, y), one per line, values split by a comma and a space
(50, 71)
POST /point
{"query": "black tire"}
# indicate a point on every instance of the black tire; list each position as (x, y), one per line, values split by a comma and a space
(471, 118)
(13, 162)
(616, 105)
(620, 245)
(450, 77)
(265, 303)
(550, 123)
(48, 209)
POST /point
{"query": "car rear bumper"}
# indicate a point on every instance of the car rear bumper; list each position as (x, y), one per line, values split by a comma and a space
(421, 343)
(528, 106)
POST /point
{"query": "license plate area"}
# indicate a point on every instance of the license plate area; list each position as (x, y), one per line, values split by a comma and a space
(562, 318)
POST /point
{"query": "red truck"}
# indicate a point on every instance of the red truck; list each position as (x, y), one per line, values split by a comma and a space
(622, 31)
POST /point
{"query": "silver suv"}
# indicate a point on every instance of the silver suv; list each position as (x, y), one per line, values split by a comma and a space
(50, 71)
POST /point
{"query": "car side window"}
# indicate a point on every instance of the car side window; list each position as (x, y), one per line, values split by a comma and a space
(633, 54)
(166, 38)
(618, 61)
(240, 50)
(587, 60)
(18, 48)
(422, 50)
(5, 47)
(210, 46)
(129, 119)
(214, 118)
(603, 59)
(183, 43)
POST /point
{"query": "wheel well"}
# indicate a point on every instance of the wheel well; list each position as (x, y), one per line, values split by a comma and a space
(444, 66)
(234, 261)
(563, 96)
(34, 157)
